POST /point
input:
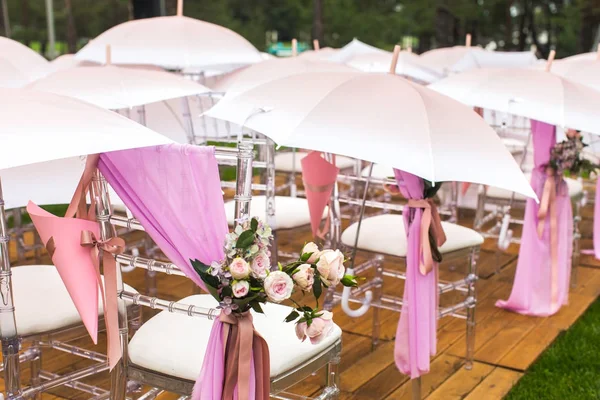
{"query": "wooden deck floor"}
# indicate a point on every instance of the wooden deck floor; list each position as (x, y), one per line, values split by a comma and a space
(506, 343)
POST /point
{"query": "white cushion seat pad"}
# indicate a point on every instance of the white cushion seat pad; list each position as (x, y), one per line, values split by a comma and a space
(385, 234)
(174, 344)
(284, 161)
(42, 302)
(575, 189)
(290, 212)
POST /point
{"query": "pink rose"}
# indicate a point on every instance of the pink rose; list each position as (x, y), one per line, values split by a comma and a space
(331, 266)
(240, 288)
(278, 286)
(310, 247)
(304, 277)
(318, 330)
(239, 268)
(260, 265)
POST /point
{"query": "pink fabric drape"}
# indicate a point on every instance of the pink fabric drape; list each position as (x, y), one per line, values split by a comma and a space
(532, 289)
(175, 192)
(597, 221)
(416, 338)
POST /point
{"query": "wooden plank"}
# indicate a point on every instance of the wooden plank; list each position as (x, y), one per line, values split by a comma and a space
(524, 353)
(441, 368)
(461, 383)
(367, 367)
(496, 385)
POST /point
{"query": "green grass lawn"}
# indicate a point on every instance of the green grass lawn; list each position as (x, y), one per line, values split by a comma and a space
(570, 368)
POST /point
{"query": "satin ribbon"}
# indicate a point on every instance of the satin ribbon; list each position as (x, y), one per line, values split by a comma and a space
(548, 205)
(241, 343)
(429, 221)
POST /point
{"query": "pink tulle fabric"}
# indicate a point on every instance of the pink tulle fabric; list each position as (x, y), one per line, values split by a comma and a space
(532, 288)
(416, 335)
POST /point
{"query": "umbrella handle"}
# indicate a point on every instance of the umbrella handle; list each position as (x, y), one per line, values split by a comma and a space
(366, 302)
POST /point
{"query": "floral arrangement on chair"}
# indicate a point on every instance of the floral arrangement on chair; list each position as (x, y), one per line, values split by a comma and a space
(244, 280)
(566, 157)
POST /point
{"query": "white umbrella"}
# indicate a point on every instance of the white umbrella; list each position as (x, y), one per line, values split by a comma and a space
(115, 87)
(174, 42)
(354, 48)
(529, 93)
(409, 64)
(68, 61)
(266, 71)
(584, 71)
(465, 58)
(39, 126)
(580, 57)
(380, 118)
(10, 76)
(318, 55)
(25, 60)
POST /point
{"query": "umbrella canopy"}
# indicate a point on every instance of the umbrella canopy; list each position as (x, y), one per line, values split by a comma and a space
(115, 87)
(25, 60)
(174, 42)
(380, 118)
(583, 56)
(465, 58)
(68, 61)
(318, 55)
(10, 76)
(409, 64)
(354, 48)
(530, 93)
(266, 71)
(586, 72)
(38, 126)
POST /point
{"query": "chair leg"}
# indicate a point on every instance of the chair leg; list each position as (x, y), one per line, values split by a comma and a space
(576, 244)
(377, 293)
(416, 388)
(36, 369)
(472, 301)
(332, 390)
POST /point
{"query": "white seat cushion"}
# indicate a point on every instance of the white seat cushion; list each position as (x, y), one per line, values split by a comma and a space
(285, 161)
(385, 234)
(174, 344)
(290, 212)
(42, 303)
(575, 189)
(379, 171)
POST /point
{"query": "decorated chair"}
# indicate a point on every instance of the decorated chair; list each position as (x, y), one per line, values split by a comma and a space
(167, 352)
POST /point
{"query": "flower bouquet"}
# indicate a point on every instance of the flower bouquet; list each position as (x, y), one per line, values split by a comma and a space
(566, 157)
(244, 279)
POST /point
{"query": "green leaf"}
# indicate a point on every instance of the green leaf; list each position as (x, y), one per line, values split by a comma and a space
(349, 281)
(304, 257)
(305, 308)
(243, 303)
(256, 307)
(200, 267)
(292, 317)
(254, 225)
(245, 240)
(317, 287)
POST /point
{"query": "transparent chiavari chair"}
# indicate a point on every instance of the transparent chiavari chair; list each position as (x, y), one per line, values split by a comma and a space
(37, 314)
(382, 237)
(167, 351)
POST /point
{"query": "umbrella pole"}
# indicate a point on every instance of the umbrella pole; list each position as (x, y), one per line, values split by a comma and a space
(8, 324)
(416, 388)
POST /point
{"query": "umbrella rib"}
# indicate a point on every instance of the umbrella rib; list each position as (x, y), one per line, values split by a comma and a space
(433, 179)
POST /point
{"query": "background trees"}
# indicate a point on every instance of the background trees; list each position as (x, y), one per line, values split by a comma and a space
(570, 26)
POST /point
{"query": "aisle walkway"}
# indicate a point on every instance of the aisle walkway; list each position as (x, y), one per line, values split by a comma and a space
(506, 343)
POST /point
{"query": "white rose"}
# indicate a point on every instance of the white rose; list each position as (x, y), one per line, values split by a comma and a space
(304, 277)
(278, 286)
(239, 268)
(240, 288)
(260, 265)
(331, 266)
(311, 247)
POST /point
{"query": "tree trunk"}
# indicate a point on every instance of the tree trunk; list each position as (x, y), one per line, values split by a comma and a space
(317, 28)
(508, 35)
(522, 22)
(71, 31)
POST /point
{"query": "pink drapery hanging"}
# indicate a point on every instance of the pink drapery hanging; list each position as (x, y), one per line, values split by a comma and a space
(319, 177)
(175, 192)
(540, 288)
(416, 336)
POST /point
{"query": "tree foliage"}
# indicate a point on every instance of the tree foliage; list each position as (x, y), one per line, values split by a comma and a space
(569, 26)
